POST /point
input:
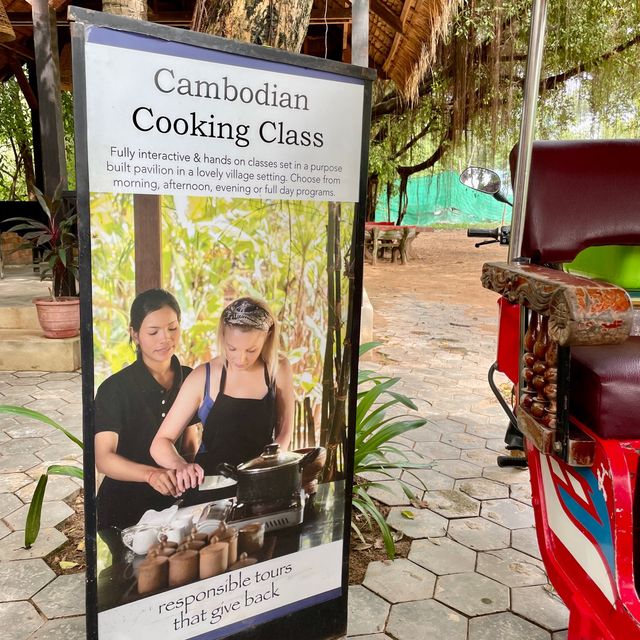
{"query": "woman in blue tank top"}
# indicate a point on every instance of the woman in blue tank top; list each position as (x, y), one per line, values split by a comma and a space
(244, 397)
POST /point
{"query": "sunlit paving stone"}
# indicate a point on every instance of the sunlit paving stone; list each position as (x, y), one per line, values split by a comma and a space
(541, 605)
(526, 540)
(427, 479)
(399, 580)
(458, 469)
(442, 556)
(392, 494)
(428, 433)
(18, 620)
(8, 504)
(481, 457)
(426, 620)
(504, 626)
(512, 568)
(367, 611)
(22, 445)
(462, 440)
(507, 512)
(488, 430)
(472, 594)
(452, 504)
(18, 462)
(437, 450)
(12, 546)
(58, 488)
(508, 475)
(479, 534)
(521, 492)
(62, 629)
(21, 579)
(63, 597)
(417, 523)
(4, 530)
(53, 513)
(482, 488)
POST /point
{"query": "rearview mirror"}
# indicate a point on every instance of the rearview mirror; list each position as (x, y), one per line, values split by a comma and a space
(481, 179)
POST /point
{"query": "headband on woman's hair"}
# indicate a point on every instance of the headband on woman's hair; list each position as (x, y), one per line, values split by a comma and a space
(244, 313)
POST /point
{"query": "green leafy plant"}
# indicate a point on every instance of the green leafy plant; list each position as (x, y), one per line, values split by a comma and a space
(32, 526)
(58, 240)
(375, 449)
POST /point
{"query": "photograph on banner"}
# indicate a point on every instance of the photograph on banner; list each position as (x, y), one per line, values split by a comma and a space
(221, 392)
(236, 274)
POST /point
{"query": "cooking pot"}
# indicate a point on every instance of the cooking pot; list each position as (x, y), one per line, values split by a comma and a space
(274, 476)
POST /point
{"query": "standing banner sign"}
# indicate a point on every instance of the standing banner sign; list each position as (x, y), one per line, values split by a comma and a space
(221, 191)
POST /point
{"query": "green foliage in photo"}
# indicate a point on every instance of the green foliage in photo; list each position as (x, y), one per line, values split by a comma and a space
(213, 251)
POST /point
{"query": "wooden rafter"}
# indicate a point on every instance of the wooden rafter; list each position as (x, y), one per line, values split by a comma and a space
(23, 83)
(384, 13)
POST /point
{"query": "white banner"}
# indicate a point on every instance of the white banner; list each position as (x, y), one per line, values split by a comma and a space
(162, 124)
(209, 605)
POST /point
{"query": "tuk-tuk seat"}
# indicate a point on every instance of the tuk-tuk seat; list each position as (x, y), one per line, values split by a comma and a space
(585, 194)
(605, 381)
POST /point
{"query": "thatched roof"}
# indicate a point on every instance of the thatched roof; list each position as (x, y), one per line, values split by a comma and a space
(404, 49)
(402, 33)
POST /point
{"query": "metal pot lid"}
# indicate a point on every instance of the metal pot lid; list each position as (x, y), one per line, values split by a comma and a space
(270, 458)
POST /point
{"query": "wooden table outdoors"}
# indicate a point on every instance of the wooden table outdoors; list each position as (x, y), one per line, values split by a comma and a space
(380, 237)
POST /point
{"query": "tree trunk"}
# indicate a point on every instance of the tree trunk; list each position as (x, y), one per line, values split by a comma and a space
(373, 185)
(128, 8)
(282, 24)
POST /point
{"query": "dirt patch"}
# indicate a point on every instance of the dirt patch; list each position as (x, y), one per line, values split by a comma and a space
(361, 554)
(70, 557)
(444, 267)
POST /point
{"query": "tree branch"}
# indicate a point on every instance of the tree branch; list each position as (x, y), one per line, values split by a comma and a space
(406, 171)
(422, 133)
(551, 82)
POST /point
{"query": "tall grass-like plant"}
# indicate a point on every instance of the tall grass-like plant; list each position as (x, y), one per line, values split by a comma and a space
(375, 449)
(32, 526)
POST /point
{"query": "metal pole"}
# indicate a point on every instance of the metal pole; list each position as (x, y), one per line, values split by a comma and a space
(360, 32)
(532, 83)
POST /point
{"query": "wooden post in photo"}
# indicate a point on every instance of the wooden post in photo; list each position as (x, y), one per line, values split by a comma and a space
(148, 242)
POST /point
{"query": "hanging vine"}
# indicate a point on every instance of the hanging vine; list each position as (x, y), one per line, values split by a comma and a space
(470, 100)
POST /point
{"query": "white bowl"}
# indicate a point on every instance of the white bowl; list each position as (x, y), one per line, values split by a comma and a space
(216, 482)
(140, 538)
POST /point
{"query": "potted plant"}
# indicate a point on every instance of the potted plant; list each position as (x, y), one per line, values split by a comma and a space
(59, 313)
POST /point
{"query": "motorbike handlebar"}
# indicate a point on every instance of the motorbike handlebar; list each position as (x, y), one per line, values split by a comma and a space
(484, 233)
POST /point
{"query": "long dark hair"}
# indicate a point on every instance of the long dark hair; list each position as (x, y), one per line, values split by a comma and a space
(149, 301)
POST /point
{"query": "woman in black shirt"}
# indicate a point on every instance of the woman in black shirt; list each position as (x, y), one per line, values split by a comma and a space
(130, 406)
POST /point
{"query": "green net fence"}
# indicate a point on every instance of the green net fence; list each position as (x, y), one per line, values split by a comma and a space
(442, 199)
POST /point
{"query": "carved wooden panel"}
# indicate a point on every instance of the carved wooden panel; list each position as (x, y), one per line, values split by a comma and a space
(581, 311)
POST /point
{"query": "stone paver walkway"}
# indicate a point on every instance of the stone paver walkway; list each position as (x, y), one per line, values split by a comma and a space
(36, 604)
(474, 569)
(473, 572)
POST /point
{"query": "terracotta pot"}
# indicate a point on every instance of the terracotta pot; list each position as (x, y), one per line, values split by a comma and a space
(59, 318)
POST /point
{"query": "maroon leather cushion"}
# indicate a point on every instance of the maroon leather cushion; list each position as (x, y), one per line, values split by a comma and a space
(581, 193)
(605, 388)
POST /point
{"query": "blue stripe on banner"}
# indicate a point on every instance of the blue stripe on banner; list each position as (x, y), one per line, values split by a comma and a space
(125, 40)
(270, 615)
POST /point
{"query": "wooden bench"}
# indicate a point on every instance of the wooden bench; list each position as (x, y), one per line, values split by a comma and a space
(380, 237)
